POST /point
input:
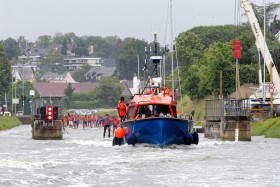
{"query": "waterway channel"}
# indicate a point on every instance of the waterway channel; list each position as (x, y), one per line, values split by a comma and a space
(84, 159)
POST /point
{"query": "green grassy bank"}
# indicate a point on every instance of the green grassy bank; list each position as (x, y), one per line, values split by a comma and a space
(8, 122)
(185, 106)
(270, 128)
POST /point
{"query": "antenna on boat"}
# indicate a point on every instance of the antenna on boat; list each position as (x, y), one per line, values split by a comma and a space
(156, 59)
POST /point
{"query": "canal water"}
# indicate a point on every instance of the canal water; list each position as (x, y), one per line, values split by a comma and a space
(84, 159)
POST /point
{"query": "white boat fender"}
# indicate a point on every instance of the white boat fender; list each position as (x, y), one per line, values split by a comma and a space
(131, 139)
(188, 139)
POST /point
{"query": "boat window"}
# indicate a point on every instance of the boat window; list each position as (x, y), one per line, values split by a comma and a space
(161, 109)
(152, 110)
(145, 109)
(130, 112)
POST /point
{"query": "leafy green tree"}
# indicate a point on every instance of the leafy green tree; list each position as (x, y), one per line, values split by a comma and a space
(78, 74)
(204, 76)
(67, 99)
(54, 57)
(248, 73)
(12, 48)
(44, 41)
(64, 47)
(212, 34)
(109, 92)
(189, 47)
(81, 46)
(248, 48)
(5, 73)
(219, 57)
(126, 62)
(22, 42)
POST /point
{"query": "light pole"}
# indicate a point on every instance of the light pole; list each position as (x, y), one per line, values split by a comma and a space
(23, 95)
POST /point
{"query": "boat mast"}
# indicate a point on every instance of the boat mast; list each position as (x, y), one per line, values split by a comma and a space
(171, 49)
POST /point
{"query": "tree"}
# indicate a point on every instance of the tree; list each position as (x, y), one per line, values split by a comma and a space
(12, 49)
(81, 46)
(67, 99)
(5, 73)
(203, 76)
(78, 74)
(189, 47)
(126, 62)
(108, 92)
(53, 57)
(64, 47)
(212, 34)
(44, 41)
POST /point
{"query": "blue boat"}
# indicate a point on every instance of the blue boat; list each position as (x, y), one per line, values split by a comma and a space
(152, 116)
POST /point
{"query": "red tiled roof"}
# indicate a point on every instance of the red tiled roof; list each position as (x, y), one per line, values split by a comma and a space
(46, 89)
(57, 89)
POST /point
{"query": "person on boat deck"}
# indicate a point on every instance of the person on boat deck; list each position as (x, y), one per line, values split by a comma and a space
(192, 113)
(165, 90)
(106, 122)
(122, 109)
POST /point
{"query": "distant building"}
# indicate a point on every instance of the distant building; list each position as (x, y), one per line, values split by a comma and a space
(74, 62)
(97, 72)
(47, 89)
(24, 72)
(56, 78)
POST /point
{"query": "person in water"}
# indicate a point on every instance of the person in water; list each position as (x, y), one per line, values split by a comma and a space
(116, 122)
(122, 109)
(106, 123)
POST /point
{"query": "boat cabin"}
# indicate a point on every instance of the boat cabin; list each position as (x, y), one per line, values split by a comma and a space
(151, 106)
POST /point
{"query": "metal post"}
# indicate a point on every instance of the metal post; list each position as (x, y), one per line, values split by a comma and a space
(12, 92)
(271, 92)
(221, 84)
(23, 88)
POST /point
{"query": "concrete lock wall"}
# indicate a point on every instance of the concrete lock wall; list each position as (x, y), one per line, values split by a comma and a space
(212, 130)
(226, 128)
(40, 131)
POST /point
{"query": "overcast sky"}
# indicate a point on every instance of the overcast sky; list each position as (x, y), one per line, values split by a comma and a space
(124, 18)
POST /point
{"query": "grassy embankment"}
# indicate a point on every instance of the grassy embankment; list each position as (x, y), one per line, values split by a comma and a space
(270, 128)
(7, 122)
(199, 107)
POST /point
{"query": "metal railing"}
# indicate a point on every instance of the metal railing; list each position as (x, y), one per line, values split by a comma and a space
(227, 107)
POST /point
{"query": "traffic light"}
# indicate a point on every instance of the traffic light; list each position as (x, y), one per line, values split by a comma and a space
(43, 113)
(236, 49)
(49, 113)
(55, 113)
(23, 98)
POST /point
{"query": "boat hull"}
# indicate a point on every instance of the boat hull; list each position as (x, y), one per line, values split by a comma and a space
(160, 131)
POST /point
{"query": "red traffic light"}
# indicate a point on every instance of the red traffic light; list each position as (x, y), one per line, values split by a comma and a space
(49, 113)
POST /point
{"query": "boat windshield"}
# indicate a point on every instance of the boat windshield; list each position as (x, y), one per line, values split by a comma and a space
(153, 110)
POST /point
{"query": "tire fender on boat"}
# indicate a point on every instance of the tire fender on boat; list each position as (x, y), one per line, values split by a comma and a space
(188, 139)
(131, 139)
(195, 138)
